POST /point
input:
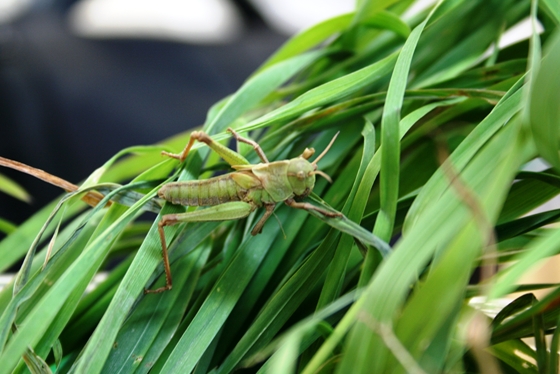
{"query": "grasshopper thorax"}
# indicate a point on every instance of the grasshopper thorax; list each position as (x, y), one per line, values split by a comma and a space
(301, 174)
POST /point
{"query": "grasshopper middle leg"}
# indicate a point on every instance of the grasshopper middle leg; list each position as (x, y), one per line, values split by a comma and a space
(230, 156)
(252, 143)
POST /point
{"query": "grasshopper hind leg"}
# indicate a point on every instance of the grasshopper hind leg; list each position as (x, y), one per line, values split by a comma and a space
(165, 256)
(223, 212)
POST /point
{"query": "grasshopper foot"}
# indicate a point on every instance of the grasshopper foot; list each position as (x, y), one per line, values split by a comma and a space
(158, 290)
(195, 135)
(176, 156)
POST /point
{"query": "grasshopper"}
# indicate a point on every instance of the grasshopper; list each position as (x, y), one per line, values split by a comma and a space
(235, 195)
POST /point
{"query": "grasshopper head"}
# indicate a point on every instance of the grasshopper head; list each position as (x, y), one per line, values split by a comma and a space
(301, 174)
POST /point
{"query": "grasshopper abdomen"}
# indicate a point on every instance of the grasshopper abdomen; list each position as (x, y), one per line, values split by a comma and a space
(206, 192)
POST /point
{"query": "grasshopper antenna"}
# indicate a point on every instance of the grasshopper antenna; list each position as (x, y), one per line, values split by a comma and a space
(323, 174)
(325, 151)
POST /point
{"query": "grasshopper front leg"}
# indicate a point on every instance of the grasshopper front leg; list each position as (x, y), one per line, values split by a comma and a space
(306, 206)
(222, 212)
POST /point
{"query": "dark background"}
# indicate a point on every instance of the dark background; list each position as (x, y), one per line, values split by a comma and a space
(67, 104)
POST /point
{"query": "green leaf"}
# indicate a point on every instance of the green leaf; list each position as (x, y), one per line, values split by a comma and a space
(354, 209)
(136, 337)
(553, 8)
(325, 94)
(366, 9)
(536, 251)
(308, 39)
(544, 108)
(390, 155)
(257, 88)
(13, 189)
(502, 112)
(389, 21)
(7, 227)
(77, 275)
(397, 273)
(219, 303)
(516, 354)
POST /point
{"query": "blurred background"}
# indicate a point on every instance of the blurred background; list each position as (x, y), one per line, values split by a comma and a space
(81, 80)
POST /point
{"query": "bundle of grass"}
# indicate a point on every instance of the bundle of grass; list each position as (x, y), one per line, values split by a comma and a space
(437, 120)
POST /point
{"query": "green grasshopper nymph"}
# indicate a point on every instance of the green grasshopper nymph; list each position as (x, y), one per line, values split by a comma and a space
(235, 195)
